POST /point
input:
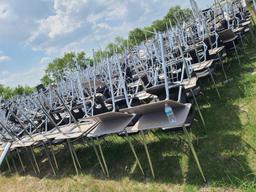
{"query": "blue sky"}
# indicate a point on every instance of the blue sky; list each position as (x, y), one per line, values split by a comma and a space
(33, 32)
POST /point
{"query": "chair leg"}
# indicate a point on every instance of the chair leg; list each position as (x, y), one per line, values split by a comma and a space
(214, 84)
(223, 69)
(34, 158)
(103, 159)
(14, 165)
(98, 157)
(8, 164)
(72, 156)
(198, 108)
(75, 155)
(54, 157)
(49, 159)
(31, 161)
(135, 154)
(189, 140)
(148, 155)
(237, 55)
(21, 162)
(242, 41)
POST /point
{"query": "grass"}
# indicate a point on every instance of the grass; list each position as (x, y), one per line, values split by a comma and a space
(226, 149)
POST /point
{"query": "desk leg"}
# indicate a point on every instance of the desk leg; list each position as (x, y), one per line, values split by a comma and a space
(8, 164)
(215, 86)
(14, 165)
(54, 157)
(103, 159)
(75, 155)
(198, 108)
(31, 161)
(148, 155)
(135, 154)
(72, 156)
(223, 68)
(189, 140)
(49, 159)
(237, 55)
(21, 162)
(98, 157)
(34, 157)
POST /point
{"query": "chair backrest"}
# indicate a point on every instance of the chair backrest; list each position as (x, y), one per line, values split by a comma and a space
(226, 34)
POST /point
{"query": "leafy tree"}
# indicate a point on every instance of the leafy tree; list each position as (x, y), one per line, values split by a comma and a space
(160, 25)
(177, 13)
(46, 80)
(136, 36)
(8, 92)
(58, 66)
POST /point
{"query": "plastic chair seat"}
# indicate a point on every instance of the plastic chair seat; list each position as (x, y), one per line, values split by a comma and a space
(202, 65)
(216, 50)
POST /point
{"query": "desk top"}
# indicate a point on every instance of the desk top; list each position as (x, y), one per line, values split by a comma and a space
(152, 107)
(156, 119)
(111, 123)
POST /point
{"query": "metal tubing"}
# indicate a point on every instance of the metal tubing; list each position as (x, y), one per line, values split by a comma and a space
(21, 162)
(54, 157)
(237, 55)
(98, 157)
(8, 164)
(198, 108)
(49, 159)
(72, 156)
(34, 158)
(31, 161)
(103, 159)
(148, 155)
(75, 155)
(135, 154)
(189, 140)
(214, 83)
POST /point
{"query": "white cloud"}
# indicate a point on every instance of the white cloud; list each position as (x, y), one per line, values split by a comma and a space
(4, 58)
(87, 23)
(117, 11)
(4, 11)
(30, 77)
(18, 19)
(45, 60)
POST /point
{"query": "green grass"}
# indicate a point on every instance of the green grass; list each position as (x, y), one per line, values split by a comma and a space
(226, 149)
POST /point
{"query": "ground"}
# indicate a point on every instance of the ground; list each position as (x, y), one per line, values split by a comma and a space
(226, 148)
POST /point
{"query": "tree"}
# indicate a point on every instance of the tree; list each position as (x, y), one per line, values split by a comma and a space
(177, 13)
(136, 36)
(58, 66)
(160, 25)
(46, 80)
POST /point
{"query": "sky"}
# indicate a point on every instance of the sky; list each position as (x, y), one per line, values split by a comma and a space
(34, 32)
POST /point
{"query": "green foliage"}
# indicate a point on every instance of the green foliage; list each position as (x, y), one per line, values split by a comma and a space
(46, 80)
(177, 12)
(8, 92)
(58, 66)
(136, 36)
